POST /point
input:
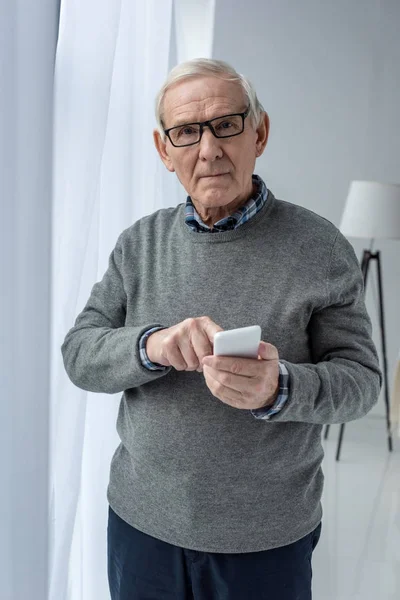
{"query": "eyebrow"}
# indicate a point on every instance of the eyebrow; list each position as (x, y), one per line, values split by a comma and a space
(185, 122)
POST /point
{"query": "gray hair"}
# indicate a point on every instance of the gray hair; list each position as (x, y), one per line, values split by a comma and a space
(215, 68)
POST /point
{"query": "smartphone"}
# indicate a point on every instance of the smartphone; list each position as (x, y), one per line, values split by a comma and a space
(243, 342)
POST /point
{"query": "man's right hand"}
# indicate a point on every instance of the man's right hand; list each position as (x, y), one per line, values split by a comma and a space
(184, 345)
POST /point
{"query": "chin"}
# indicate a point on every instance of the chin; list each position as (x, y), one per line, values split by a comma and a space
(217, 198)
(214, 191)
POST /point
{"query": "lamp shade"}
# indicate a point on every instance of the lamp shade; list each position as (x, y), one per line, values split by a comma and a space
(372, 210)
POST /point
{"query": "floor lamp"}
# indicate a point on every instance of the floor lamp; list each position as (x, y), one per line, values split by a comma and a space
(372, 211)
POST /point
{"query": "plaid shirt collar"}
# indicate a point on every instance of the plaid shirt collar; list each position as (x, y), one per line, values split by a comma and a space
(243, 214)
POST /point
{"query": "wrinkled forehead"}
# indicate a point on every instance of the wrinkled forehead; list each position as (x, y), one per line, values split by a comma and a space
(200, 99)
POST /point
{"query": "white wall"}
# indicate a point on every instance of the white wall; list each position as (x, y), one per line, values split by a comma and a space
(328, 74)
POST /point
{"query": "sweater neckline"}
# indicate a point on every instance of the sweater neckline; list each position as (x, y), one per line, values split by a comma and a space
(226, 236)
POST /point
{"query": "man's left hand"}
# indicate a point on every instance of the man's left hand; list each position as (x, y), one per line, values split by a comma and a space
(245, 383)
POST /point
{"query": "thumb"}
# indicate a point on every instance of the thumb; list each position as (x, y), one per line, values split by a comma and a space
(267, 351)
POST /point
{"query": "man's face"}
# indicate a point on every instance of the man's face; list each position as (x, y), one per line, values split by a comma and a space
(201, 99)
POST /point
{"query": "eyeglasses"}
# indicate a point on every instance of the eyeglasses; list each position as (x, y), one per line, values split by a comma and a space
(221, 127)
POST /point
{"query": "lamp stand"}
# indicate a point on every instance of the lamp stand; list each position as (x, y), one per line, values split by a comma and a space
(368, 255)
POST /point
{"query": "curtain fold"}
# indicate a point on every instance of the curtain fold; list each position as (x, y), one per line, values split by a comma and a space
(112, 58)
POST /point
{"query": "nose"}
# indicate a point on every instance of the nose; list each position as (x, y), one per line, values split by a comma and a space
(210, 146)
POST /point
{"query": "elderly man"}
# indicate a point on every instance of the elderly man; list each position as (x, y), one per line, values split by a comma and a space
(215, 489)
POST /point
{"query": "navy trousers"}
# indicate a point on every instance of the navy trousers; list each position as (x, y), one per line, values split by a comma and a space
(141, 567)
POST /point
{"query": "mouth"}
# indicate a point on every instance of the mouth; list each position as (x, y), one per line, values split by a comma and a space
(210, 176)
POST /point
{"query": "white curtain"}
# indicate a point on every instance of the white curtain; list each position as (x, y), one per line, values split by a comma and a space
(28, 37)
(112, 57)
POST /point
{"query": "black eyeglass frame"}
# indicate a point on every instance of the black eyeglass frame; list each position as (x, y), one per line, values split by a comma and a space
(204, 123)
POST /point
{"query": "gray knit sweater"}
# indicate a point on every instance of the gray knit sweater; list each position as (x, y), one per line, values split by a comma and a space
(191, 470)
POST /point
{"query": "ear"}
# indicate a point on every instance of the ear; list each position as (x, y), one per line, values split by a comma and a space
(162, 150)
(262, 134)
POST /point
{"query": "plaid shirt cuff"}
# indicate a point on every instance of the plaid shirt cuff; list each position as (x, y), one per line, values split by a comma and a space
(283, 395)
(146, 362)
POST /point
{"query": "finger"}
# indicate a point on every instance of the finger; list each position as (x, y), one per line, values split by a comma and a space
(210, 328)
(175, 358)
(194, 345)
(247, 367)
(200, 339)
(201, 344)
(173, 351)
(267, 351)
(227, 395)
(188, 353)
(237, 383)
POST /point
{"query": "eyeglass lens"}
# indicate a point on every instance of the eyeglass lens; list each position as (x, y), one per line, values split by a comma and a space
(223, 127)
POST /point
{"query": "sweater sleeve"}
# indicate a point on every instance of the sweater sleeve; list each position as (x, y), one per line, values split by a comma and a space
(343, 381)
(100, 353)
